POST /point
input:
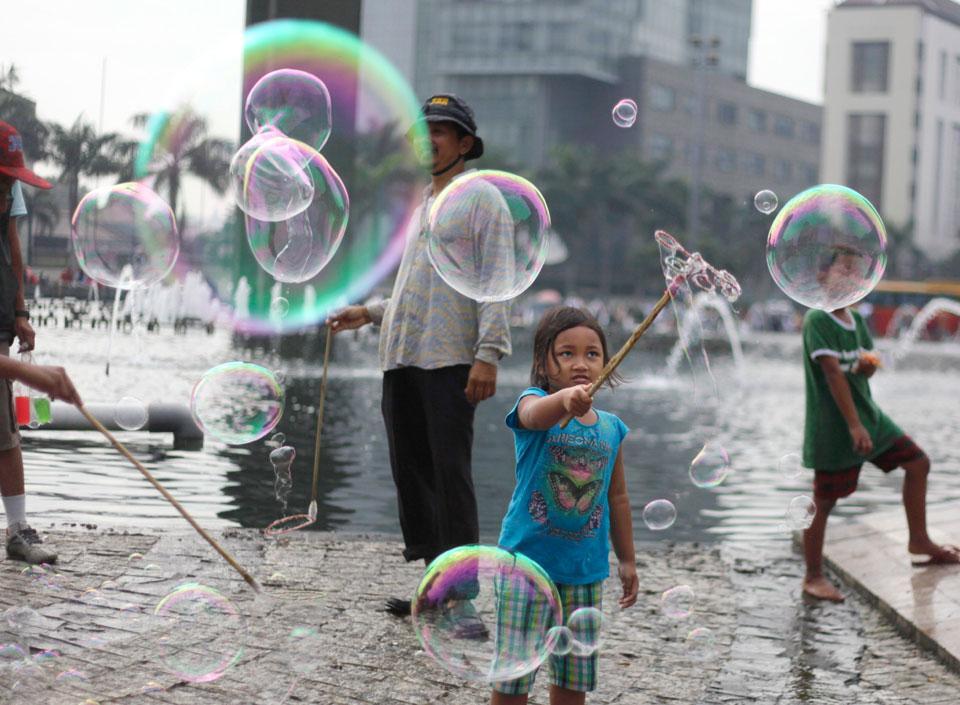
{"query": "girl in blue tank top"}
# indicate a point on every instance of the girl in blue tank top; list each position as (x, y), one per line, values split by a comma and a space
(571, 493)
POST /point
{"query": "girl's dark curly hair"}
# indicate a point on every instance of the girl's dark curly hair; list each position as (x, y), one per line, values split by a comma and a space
(553, 323)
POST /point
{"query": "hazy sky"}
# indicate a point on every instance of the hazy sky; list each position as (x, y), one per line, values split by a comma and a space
(159, 51)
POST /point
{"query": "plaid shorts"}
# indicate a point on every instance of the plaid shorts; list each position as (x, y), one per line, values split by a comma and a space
(834, 484)
(516, 618)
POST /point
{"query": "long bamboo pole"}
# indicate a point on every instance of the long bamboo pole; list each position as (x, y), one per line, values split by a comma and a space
(312, 512)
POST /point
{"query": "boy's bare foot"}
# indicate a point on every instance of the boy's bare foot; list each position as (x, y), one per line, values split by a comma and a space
(946, 554)
(822, 589)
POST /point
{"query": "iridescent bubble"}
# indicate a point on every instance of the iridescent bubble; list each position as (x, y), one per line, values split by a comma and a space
(827, 247)
(202, 635)
(456, 607)
(701, 644)
(134, 558)
(279, 308)
(237, 402)
(294, 102)
(766, 201)
(125, 236)
(152, 687)
(45, 656)
(269, 178)
(282, 459)
(800, 512)
(625, 113)
(11, 651)
(659, 514)
(488, 234)
(585, 624)
(678, 602)
(710, 466)
(130, 414)
(72, 674)
(278, 439)
(791, 466)
(296, 248)
(559, 641)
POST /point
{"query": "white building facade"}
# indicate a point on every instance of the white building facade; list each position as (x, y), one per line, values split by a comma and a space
(891, 121)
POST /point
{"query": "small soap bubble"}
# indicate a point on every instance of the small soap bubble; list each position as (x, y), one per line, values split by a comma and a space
(237, 402)
(130, 414)
(766, 201)
(303, 642)
(269, 178)
(514, 245)
(659, 514)
(201, 633)
(71, 674)
(456, 607)
(125, 236)
(279, 307)
(11, 651)
(827, 247)
(293, 102)
(278, 439)
(559, 641)
(701, 644)
(152, 687)
(791, 466)
(678, 602)
(710, 466)
(586, 625)
(625, 113)
(46, 656)
(135, 558)
(800, 512)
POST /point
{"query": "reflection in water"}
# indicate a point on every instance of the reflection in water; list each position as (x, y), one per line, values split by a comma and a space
(78, 477)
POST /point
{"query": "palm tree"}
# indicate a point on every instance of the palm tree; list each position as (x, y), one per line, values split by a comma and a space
(80, 151)
(21, 112)
(177, 144)
(43, 213)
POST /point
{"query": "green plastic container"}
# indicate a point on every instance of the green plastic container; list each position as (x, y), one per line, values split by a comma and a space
(41, 408)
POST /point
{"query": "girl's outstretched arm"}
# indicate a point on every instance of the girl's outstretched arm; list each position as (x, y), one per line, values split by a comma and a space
(621, 532)
(540, 413)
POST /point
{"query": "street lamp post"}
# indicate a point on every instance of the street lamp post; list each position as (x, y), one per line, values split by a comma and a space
(704, 55)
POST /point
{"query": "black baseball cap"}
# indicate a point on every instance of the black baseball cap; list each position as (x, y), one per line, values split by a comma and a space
(447, 107)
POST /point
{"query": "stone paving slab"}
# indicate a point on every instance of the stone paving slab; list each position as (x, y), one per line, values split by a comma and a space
(316, 635)
(870, 553)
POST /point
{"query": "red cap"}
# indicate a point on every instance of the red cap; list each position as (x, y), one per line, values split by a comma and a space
(11, 157)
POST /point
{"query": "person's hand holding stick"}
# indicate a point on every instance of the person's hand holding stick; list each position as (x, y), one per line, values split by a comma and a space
(679, 266)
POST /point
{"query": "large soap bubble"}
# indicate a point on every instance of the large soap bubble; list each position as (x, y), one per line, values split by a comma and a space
(237, 402)
(125, 236)
(296, 249)
(269, 177)
(484, 614)
(294, 102)
(200, 633)
(827, 248)
(488, 234)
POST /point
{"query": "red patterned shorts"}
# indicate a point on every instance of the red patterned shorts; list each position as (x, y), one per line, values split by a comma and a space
(835, 484)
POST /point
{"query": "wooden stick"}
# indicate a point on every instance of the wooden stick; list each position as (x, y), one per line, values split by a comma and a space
(631, 341)
(251, 581)
(316, 443)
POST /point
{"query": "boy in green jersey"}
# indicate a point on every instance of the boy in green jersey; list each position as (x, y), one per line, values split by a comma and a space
(844, 427)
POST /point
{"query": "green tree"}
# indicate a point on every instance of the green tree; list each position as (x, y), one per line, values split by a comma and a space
(80, 151)
(21, 112)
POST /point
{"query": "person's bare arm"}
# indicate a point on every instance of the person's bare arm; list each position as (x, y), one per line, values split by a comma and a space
(51, 380)
(540, 413)
(840, 391)
(621, 533)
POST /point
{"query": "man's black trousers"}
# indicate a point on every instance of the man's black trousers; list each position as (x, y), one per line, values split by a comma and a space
(430, 434)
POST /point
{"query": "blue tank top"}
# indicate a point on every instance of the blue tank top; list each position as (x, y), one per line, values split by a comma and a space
(558, 514)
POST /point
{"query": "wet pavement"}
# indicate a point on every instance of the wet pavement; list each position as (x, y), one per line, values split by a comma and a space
(870, 553)
(315, 634)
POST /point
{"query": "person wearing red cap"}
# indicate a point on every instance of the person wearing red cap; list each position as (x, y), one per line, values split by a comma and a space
(23, 542)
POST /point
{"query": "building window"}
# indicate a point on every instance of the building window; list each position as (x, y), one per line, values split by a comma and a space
(726, 113)
(754, 164)
(782, 170)
(865, 136)
(516, 36)
(661, 147)
(726, 160)
(943, 75)
(956, 80)
(783, 126)
(662, 98)
(810, 132)
(870, 67)
(757, 120)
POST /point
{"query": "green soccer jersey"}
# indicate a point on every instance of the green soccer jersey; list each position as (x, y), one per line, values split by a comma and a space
(827, 444)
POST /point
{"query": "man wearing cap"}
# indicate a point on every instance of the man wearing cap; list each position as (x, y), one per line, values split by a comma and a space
(439, 352)
(23, 542)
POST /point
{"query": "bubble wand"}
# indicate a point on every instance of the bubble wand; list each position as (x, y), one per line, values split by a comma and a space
(312, 511)
(251, 581)
(679, 267)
